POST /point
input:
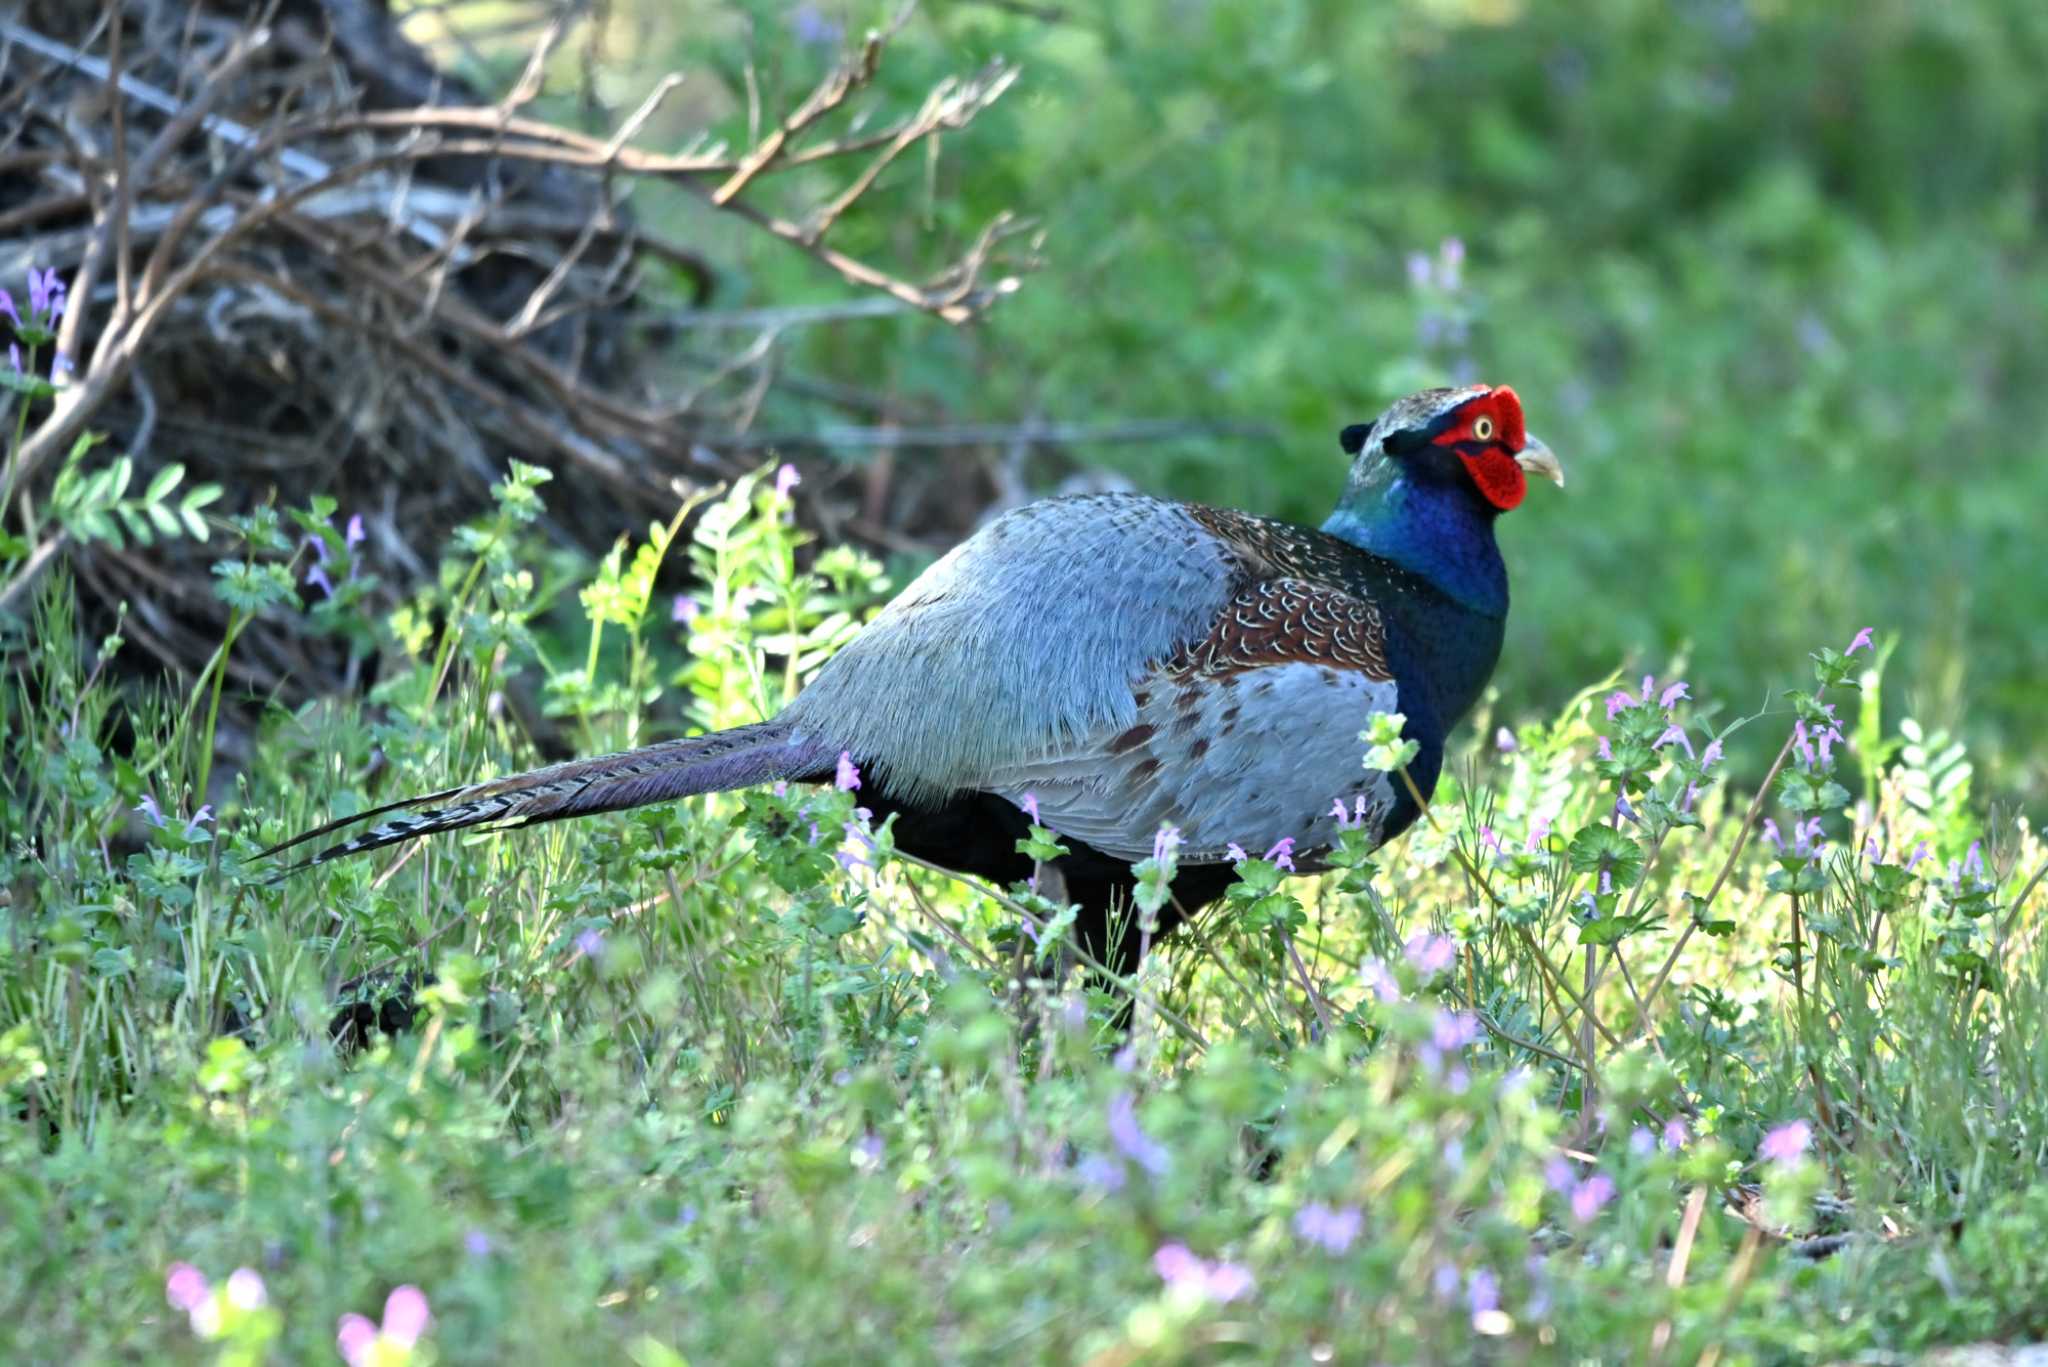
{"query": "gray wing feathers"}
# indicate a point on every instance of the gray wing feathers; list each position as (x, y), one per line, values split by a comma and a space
(1021, 642)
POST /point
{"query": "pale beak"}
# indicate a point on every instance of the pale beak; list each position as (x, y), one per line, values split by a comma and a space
(1539, 459)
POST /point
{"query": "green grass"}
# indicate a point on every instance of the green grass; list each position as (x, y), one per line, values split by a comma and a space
(684, 1088)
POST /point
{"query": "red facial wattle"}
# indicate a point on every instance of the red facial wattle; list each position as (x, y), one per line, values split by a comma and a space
(1486, 436)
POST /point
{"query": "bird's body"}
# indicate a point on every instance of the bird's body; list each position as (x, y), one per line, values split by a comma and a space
(1128, 663)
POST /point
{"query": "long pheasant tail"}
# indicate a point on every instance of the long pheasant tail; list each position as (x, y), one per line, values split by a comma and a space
(738, 758)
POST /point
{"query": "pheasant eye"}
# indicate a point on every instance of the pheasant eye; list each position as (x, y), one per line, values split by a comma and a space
(1483, 429)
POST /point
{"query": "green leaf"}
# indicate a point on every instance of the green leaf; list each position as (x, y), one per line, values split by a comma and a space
(162, 483)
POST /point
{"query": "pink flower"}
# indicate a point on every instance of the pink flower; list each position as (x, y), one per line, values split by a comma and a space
(405, 1320)
(847, 777)
(1182, 1270)
(186, 1286)
(1373, 973)
(1030, 805)
(1590, 1195)
(1617, 703)
(1429, 954)
(682, 609)
(1710, 756)
(1505, 742)
(1538, 833)
(1165, 843)
(786, 479)
(1787, 1143)
(1862, 642)
(1234, 852)
(1282, 854)
(1606, 750)
(1671, 695)
(1676, 1136)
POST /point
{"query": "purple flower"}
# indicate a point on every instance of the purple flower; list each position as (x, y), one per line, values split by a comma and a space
(1862, 642)
(1539, 831)
(1234, 852)
(855, 830)
(1674, 732)
(811, 27)
(1374, 974)
(1482, 1292)
(1606, 750)
(1099, 1172)
(1165, 842)
(1787, 1143)
(1505, 742)
(1919, 853)
(1490, 840)
(1559, 1175)
(1444, 1281)
(1670, 696)
(590, 943)
(13, 354)
(1591, 1194)
(847, 777)
(867, 1151)
(1617, 703)
(1131, 1139)
(1449, 1033)
(7, 307)
(1453, 1030)
(1770, 833)
(1333, 1231)
(1973, 860)
(1182, 1270)
(1826, 741)
(1808, 837)
(405, 1319)
(45, 295)
(199, 818)
(1430, 954)
(1420, 272)
(1676, 1136)
(1641, 1143)
(477, 1244)
(316, 575)
(1282, 854)
(354, 535)
(682, 609)
(1030, 805)
(786, 479)
(154, 815)
(1710, 756)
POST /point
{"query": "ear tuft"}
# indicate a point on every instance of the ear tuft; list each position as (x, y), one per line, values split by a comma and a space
(1353, 438)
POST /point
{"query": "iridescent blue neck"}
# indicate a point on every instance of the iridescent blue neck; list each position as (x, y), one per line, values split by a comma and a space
(1438, 531)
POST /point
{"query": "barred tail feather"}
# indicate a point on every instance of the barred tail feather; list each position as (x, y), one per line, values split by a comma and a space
(738, 758)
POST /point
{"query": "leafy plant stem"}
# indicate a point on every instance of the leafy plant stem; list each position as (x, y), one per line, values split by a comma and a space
(1756, 806)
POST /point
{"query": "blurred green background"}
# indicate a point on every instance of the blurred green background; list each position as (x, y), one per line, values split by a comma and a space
(1771, 277)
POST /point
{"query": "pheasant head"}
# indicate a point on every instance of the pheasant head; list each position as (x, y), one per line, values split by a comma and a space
(1428, 478)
